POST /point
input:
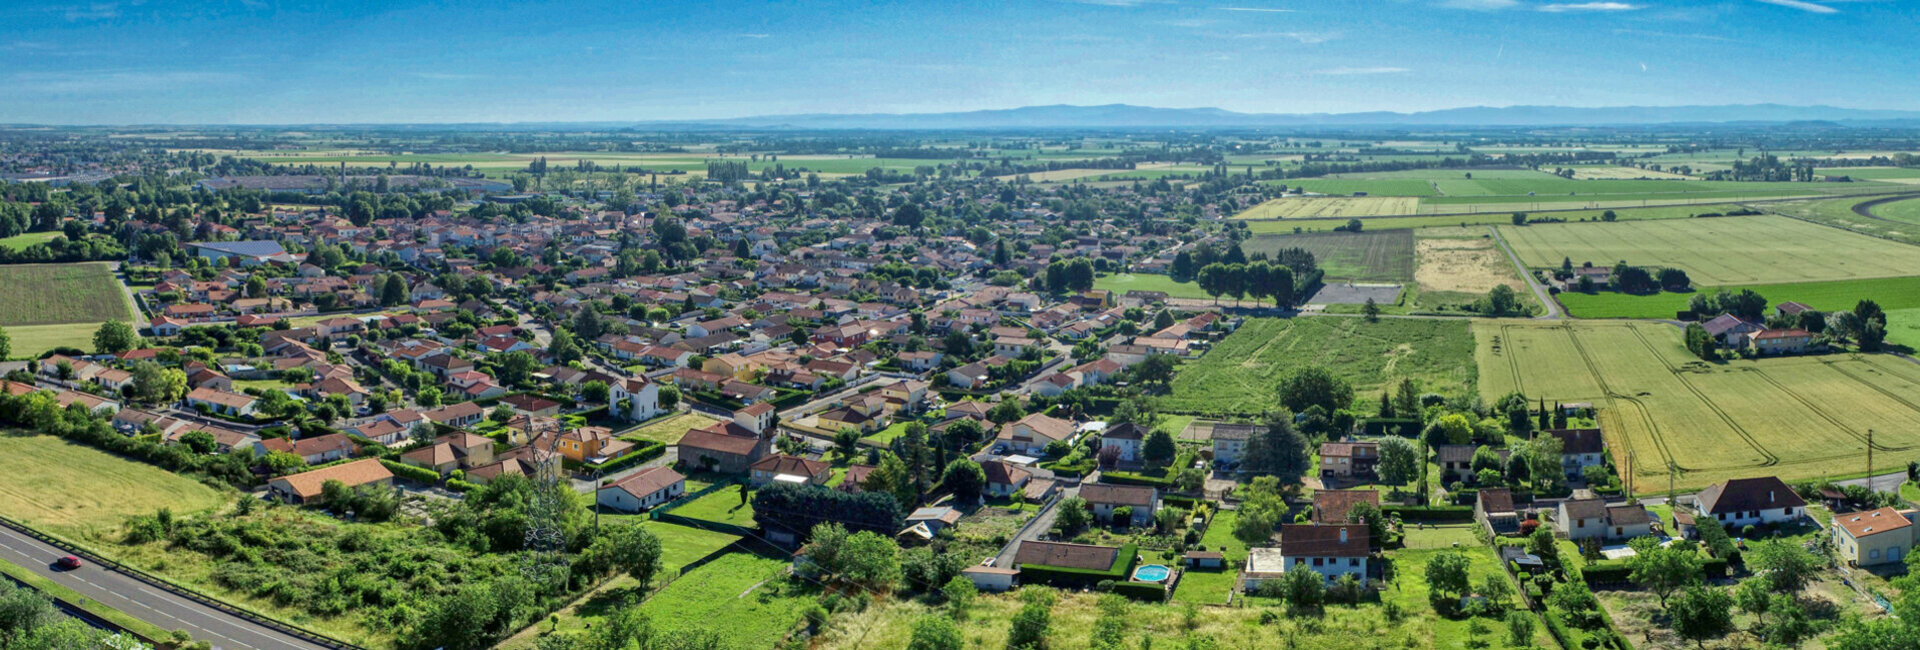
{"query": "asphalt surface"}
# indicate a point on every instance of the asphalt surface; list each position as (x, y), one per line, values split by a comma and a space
(143, 601)
(1539, 291)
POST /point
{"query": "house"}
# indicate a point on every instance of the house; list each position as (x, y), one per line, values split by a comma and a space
(1578, 519)
(934, 518)
(1580, 449)
(458, 416)
(1105, 498)
(222, 402)
(245, 253)
(1003, 479)
(590, 444)
(1494, 510)
(1230, 443)
(643, 490)
(1032, 434)
(725, 447)
(788, 469)
(1205, 560)
(1749, 501)
(1730, 331)
(314, 450)
(1787, 341)
(1456, 462)
(1348, 459)
(1085, 557)
(453, 451)
(990, 578)
(1332, 506)
(1330, 550)
(306, 487)
(1127, 438)
(1790, 308)
(1883, 536)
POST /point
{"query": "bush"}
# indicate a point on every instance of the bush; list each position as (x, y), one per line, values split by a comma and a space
(1430, 513)
(458, 485)
(632, 458)
(412, 473)
(1152, 592)
(1605, 573)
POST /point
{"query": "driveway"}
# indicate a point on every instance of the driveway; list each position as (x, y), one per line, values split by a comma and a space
(1034, 530)
(1539, 291)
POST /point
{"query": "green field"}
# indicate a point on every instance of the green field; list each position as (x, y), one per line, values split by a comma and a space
(1121, 283)
(1839, 214)
(1796, 417)
(1343, 187)
(81, 492)
(1363, 256)
(1907, 211)
(1903, 327)
(681, 545)
(1375, 224)
(721, 506)
(1890, 293)
(744, 598)
(23, 240)
(54, 294)
(1241, 374)
(1719, 251)
(669, 429)
(1869, 173)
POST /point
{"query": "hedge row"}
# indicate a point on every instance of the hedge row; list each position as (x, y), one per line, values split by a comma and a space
(1409, 427)
(1430, 513)
(1132, 478)
(412, 473)
(462, 487)
(641, 455)
(1152, 592)
(1070, 577)
(1600, 574)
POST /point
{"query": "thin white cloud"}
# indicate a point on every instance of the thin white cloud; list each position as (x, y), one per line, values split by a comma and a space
(1348, 71)
(447, 76)
(1305, 38)
(114, 81)
(1259, 9)
(1803, 6)
(1479, 5)
(1588, 7)
(1699, 37)
(755, 35)
(93, 11)
(1116, 3)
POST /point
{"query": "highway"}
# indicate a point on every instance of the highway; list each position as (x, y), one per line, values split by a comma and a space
(144, 601)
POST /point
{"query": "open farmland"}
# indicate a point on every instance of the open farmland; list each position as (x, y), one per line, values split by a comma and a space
(1464, 266)
(1615, 172)
(1904, 210)
(1240, 375)
(1385, 187)
(1485, 219)
(1890, 293)
(1719, 251)
(1841, 213)
(1311, 207)
(1798, 417)
(80, 491)
(1362, 256)
(54, 294)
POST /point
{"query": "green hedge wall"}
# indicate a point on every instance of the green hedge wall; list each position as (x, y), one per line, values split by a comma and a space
(1069, 577)
(1430, 513)
(411, 473)
(1131, 478)
(1152, 592)
(1409, 427)
(632, 458)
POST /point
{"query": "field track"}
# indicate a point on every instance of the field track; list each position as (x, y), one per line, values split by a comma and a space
(1865, 208)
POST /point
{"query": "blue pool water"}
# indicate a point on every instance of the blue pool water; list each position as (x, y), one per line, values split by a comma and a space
(1152, 573)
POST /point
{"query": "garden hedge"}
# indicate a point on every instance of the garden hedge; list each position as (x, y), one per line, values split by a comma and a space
(1152, 592)
(1409, 427)
(1132, 478)
(1430, 513)
(412, 473)
(1600, 574)
(641, 455)
(1069, 577)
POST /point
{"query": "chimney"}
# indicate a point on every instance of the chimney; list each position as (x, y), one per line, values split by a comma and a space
(1769, 496)
(1343, 535)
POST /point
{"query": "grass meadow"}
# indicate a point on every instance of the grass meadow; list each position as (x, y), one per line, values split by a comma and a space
(1362, 256)
(1240, 375)
(1719, 251)
(1839, 214)
(80, 492)
(1331, 207)
(1121, 283)
(1907, 211)
(1795, 417)
(1891, 293)
(24, 240)
(57, 294)
(669, 429)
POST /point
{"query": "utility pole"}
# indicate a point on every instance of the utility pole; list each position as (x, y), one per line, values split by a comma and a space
(1869, 460)
(1670, 470)
(1629, 475)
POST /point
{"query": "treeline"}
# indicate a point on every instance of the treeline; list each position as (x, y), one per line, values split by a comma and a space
(1766, 168)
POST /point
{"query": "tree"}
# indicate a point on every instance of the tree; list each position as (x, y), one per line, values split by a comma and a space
(629, 548)
(1158, 448)
(1663, 569)
(1545, 464)
(1155, 369)
(1315, 386)
(669, 396)
(1576, 601)
(1519, 629)
(153, 384)
(892, 477)
(1304, 591)
(1701, 613)
(6, 345)
(846, 442)
(563, 347)
(959, 593)
(1278, 450)
(1399, 461)
(964, 479)
(1754, 596)
(595, 391)
(1371, 311)
(935, 633)
(200, 442)
(1030, 627)
(1446, 575)
(1371, 515)
(1502, 300)
(1787, 567)
(1790, 623)
(115, 337)
(516, 368)
(1495, 588)
(1007, 410)
(1519, 218)
(1075, 515)
(1700, 343)
(393, 291)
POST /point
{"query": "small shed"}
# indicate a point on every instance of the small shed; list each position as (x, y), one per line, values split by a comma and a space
(1205, 559)
(991, 578)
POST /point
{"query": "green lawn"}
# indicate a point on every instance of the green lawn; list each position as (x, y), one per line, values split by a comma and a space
(669, 429)
(721, 506)
(1240, 375)
(81, 492)
(1409, 587)
(1121, 283)
(886, 436)
(681, 545)
(24, 240)
(744, 598)
(1204, 586)
(1892, 294)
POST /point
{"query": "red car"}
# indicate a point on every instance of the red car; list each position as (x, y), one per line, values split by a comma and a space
(69, 563)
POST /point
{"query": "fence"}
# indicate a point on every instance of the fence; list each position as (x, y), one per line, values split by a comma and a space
(288, 629)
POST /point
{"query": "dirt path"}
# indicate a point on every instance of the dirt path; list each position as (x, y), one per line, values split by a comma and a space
(1865, 208)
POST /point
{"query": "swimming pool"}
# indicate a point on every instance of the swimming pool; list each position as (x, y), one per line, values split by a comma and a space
(1152, 573)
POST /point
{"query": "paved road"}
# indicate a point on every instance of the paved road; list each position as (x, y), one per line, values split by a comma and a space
(1881, 482)
(144, 601)
(1553, 308)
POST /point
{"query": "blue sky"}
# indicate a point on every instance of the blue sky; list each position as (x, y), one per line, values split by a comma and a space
(278, 62)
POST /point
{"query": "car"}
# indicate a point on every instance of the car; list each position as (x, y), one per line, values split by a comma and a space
(69, 563)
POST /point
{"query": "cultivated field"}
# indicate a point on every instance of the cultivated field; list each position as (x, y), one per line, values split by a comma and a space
(54, 294)
(1719, 251)
(1240, 375)
(82, 492)
(1309, 207)
(22, 241)
(1383, 187)
(1890, 293)
(1464, 266)
(1798, 417)
(1363, 256)
(1613, 172)
(1840, 213)
(1905, 211)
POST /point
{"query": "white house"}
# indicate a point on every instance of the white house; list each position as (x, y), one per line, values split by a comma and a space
(1127, 438)
(1105, 498)
(1578, 519)
(643, 490)
(1329, 550)
(1750, 501)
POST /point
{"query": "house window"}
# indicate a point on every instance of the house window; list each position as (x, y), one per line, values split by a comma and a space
(1353, 561)
(1874, 554)
(1319, 561)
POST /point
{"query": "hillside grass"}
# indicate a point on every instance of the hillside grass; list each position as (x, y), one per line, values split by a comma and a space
(80, 492)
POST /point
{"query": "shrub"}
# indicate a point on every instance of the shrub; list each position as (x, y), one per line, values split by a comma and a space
(412, 473)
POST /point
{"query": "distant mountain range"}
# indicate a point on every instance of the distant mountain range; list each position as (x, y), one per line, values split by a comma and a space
(1130, 116)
